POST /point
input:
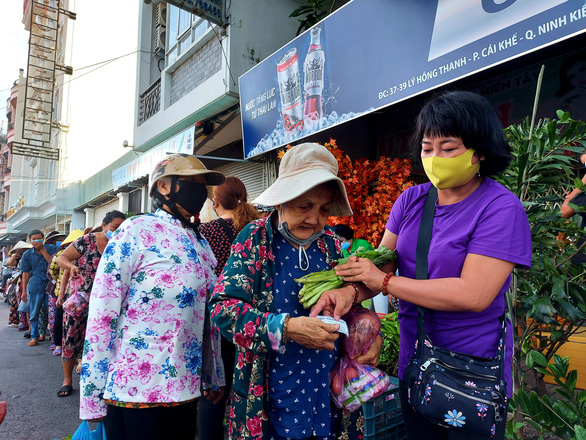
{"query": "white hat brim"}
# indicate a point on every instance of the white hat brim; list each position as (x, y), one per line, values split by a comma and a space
(288, 188)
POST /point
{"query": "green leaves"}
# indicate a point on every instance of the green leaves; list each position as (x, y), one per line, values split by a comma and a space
(314, 284)
(311, 14)
(550, 298)
(561, 415)
(389, 354)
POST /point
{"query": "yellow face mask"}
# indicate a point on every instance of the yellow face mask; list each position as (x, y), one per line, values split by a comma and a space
(444, 172)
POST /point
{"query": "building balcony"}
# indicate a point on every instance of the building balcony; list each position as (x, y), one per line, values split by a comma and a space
(150, 102)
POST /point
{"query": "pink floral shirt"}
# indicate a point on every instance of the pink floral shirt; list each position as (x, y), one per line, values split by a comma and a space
(145, 336)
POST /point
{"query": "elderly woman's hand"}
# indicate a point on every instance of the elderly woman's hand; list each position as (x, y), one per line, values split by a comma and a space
(312, 333)
(361, 270)
(372, 355)
(336, 302)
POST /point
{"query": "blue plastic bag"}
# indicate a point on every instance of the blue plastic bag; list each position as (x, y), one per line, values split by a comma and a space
(84, 433)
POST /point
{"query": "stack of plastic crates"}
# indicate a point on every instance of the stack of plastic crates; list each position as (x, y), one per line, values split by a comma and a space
(382, 416)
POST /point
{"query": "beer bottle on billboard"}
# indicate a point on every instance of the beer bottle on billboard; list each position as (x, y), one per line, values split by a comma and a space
(290, 90)
(313, 84)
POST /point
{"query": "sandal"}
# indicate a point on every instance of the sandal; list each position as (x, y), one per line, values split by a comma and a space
(33, 342)
(52, 347)
(65, 391)
(57, 351)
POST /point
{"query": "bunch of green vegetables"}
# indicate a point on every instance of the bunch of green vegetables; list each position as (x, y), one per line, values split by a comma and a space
(314, 284)
(389, 354)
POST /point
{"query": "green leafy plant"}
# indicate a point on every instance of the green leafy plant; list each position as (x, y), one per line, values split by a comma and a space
(389, 354)
(549, 300)
(311, 14)
(563, 414)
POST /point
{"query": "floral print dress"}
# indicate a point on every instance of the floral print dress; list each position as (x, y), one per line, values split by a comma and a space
(74, 327)
(145, 339)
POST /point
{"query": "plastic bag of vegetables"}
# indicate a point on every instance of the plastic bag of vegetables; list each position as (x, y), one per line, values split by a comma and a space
(77, 303)
(316, 283)
(351, 383)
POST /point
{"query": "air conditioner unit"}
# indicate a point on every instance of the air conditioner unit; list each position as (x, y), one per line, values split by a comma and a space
(161, 17)
(160, 38)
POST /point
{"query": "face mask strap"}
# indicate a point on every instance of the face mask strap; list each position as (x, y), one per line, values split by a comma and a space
(302, 256)
(284, 230)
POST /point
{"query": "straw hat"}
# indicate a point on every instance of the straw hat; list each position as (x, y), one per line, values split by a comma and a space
(181, 164)
(73, 235)
(20, 245)
(302, 168)
(54, 234)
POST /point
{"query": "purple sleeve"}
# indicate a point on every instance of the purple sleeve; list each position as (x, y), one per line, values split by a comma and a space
(396, 215)
(503, 232)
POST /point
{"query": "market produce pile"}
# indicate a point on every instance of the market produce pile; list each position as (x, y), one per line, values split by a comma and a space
(316, 283)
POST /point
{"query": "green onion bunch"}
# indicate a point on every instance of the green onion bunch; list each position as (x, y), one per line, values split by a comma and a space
(316, 283)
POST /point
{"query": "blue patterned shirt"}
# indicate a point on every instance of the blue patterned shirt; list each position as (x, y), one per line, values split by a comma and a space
(299, 402)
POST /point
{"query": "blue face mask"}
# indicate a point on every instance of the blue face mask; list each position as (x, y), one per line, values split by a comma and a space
(109, 234)
(58, 244)
(345, 245)
(37, 241)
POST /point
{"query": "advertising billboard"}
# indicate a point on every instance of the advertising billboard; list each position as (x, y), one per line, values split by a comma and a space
(373, 53)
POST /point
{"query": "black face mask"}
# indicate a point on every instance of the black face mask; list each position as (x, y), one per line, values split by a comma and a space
(191, 196)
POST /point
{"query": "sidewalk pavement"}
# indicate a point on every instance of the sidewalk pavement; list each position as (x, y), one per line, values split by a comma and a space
(30, 378)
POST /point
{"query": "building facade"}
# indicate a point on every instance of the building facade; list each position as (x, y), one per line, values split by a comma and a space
(187, 96)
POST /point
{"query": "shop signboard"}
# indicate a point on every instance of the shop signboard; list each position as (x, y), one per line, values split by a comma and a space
(373, 53)
(211, 10)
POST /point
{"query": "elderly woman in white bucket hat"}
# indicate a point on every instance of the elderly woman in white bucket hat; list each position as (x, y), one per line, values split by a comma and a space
(284, 357)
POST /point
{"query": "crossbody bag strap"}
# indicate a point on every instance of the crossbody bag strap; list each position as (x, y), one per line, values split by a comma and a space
(421, 273)
(422, 252)
(227, 230)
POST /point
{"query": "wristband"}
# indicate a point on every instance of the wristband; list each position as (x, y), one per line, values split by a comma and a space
(356, 291)
(386, 283)
(285, 336)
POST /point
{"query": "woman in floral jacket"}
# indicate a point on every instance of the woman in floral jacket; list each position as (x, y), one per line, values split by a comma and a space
(284, 357)
(149, 351)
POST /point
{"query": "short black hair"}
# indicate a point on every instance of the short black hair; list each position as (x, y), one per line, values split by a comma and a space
(36, 232)
(111, 215)
(344, 231)
(470, 117)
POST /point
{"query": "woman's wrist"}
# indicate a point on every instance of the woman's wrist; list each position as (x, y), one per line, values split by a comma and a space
(285, 334)
(385, 285)
(355, 291)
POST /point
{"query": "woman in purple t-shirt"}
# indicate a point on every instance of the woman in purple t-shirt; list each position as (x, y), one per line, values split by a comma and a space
(480, 234)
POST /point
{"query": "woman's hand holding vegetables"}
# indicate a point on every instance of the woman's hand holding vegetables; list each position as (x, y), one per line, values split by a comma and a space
(361, 270)
(312, 333)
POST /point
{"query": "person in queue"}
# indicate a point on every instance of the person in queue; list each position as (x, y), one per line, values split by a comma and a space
(56, 273)
(13, 291)
(47, 315)
(480, 234)
(284, 357)
(149, 350)
(33, 266)
(230, 203)
(80, 262)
